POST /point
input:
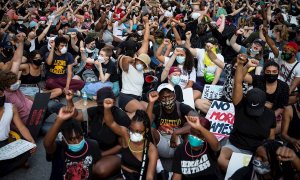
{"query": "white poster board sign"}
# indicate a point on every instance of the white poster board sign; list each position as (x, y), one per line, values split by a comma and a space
(15, 149)
(212, 92)
(221, 116)
(237, 161)
(188, 97)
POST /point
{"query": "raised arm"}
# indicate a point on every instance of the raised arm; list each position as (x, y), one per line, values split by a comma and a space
(153, 96)
(17, 58)
(165, 72)
(145, 43)
(233, 43)
(109, 119)
(176, 34)
(188, 44)
(44, 33)
(270, 42)
(213, 57)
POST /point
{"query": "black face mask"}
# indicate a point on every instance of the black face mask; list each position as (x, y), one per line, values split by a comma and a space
(270, 78)
(2, 100)
(37, 62)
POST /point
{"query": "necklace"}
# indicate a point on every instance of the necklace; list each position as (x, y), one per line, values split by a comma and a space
(134, 151)
(195, 156)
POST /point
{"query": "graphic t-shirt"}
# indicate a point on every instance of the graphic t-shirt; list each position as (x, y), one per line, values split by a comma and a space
(111, 69)
(285, 69)
(202, 167)
(59, 65)
(74, 166)
(167, 122)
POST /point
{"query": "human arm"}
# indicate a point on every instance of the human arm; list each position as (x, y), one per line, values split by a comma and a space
(50, 57)
(102, 77)
(64, 114)
(124, 62)
(152, 97)
(286, 120)
(176, 34)
(233, 43)
(209, 137)
(109, 119)
(213, 57)
(286, 154)
(21, 127)
(145, 43)
(180, 131)
(222, 25)
(44, 33)
(166, 70)
(17, 58)
(294, 84)
(73, 43)
(112, 151)
(249, 6)
(235, 12)
(270, 42)
(69, 76)
(153, 157)
(188, 44)
(217, 76)
(159, 50)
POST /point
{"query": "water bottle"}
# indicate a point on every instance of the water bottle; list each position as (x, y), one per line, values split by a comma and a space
(84, 98)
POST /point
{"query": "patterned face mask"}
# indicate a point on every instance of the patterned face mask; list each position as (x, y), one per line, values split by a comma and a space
(168, 104)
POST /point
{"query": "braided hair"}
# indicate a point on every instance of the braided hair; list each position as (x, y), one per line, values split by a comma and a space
(142, 116)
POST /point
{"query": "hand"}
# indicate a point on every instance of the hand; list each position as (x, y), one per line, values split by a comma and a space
(194, 122)
(65, 113)
(108, 103)
(296, 145)
(240, 31)
(66, 90)
(173, 141)
(242, 59)
(146, 19)
(33, 150)
(222, 16)
(285, 154)
(69, 95)
(52, 45)
(252, 62)
(173, 24)
(20, 37)
(188, 35)
(167, 42)
(153, 96)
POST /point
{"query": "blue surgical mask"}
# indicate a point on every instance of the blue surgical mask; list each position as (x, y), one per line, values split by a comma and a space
(76, 147)
(254, 52)
(175, 80)
(195, 141)
(139, 67)
(261, 167)
(180, 59)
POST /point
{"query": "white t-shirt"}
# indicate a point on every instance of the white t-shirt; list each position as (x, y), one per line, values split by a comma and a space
(6, 121)
(285, 68)
(132, 81)
(118, 30)
(201, 66)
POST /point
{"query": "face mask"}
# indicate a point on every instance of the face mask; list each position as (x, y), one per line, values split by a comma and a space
(270, 78)
(37, 62)
(180, 59)
(273, 36)
(260, 167)
(195, 141)
(63, 50)
(169, 104)
(135, 137)
(169, 8)
(15, 86)
(254, 52)
(89, 50)
(195, 16)
(2, 100)
(76, 147)
(43, 22)
(175, 80)
(286, 56)
(20, 22)
(139, 67)
(140, 33)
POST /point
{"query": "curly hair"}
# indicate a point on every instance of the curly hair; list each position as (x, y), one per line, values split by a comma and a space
(189, 62)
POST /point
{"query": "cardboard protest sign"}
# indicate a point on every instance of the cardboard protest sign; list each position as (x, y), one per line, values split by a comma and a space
(237, 161)
(221, 116)
(188, 97)
(37, 113)
(15, 149)
(212, 92)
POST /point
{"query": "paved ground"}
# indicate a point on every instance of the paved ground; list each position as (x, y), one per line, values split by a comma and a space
(39, 169)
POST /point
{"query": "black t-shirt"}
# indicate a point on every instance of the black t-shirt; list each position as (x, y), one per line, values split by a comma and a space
(111, 69)
(99, 131)
(69, 165)
(59, 66)
(167, 122)
(248, 131)
(279, 98)
(202, 167)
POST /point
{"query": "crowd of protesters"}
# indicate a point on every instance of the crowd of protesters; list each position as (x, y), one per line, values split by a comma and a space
(135, 59)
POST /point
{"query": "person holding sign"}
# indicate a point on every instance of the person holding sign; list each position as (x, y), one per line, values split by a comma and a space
(253, 121)
(271, 160)
(195, 159)
(9, 114)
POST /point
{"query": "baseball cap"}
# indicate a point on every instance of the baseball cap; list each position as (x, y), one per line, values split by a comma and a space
(174, 69)
(212, 40)
(256, 99)
(144, 58)
(293, 46)
(165, 86)
(260, 41)
(104, 93)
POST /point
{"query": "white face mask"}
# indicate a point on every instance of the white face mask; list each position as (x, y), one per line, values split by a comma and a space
(89, 50)
(195, 15)
(64, 50)
(43, 22)
(101, 59)
(140, 33)
(15, 86)
(135, 137)
(20, 22)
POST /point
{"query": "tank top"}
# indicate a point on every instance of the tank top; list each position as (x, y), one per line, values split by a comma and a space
(6, 121)
(132, 81)
(30, 79)
(294, 126)
(130, 161)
